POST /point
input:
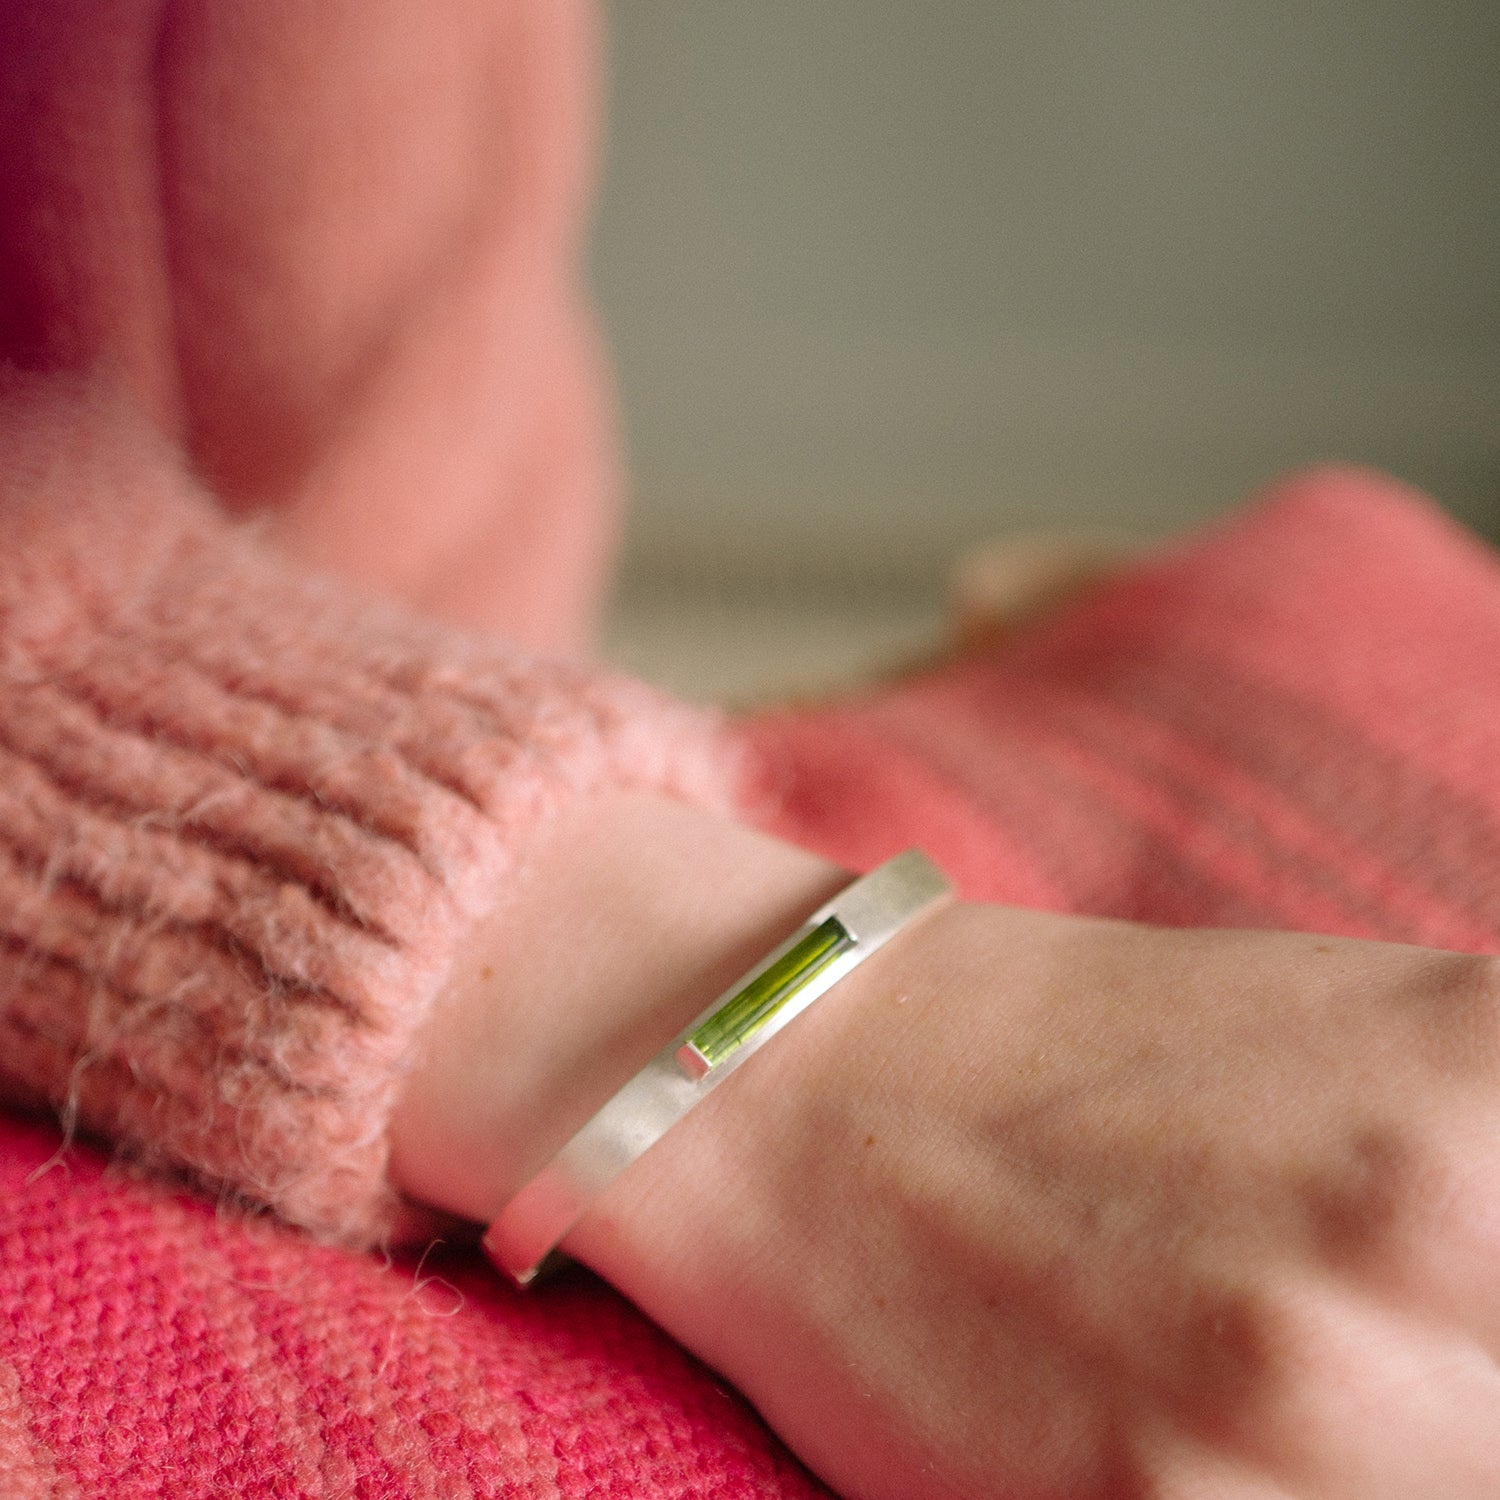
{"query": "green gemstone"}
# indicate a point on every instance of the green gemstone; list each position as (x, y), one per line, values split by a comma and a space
(743, 1014)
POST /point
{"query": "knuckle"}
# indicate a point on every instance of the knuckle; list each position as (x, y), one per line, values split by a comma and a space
(1359, 1204)
(1298, 1355)
(1432, 1193)
(1447, 1237)
(1282, 1371)
(1411, 1208)
(1242, 1345)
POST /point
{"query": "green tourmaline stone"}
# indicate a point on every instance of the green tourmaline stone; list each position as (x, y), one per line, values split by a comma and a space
(741, 1016)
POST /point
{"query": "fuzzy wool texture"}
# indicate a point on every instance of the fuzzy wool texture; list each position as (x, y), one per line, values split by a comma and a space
(247, 814)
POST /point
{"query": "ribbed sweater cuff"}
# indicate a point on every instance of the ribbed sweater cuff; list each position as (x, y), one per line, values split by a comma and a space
(247, 815)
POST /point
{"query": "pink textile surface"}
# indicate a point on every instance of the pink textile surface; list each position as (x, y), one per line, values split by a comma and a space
(1289, 721)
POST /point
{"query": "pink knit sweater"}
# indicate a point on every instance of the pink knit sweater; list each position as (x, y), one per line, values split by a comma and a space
(246, 814)
(326, 256)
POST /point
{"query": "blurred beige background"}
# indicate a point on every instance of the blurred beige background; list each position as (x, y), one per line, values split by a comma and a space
(883, 279)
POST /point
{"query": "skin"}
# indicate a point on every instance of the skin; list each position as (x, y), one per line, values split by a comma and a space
(1028, 1205)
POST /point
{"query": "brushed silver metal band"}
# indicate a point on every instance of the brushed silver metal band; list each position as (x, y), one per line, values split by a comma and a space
(838, 937)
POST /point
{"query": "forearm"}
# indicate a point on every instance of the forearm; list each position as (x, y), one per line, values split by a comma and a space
(249, 816)
(635, 911)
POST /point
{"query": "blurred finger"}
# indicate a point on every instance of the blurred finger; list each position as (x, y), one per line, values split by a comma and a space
(1421, 1224)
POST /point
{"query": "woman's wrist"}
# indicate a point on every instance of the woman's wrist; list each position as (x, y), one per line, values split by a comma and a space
(633, 913)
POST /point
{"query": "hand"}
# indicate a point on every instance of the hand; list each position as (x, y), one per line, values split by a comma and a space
(1027, 1206)
(1032, 1206)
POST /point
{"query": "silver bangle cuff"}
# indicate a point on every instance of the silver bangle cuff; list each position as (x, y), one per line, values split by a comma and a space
(838, 937)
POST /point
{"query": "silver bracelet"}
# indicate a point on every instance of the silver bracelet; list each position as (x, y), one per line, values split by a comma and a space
(838, 937)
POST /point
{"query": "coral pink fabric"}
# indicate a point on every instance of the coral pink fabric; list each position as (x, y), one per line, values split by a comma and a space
(1289, 720)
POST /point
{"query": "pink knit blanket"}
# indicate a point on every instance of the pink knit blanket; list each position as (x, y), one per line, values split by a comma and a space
(1290, 721)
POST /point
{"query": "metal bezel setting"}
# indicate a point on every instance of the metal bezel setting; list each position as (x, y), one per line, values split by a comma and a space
(836, 938)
